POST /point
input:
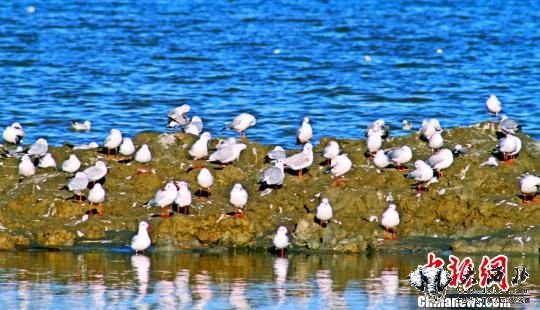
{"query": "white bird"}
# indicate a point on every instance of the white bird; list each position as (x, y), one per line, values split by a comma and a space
(113, 141)
(443, 159)
(301, 160)
(26, 166)
(340, 165)
(238, 198)
(47, 161)
(378, 127)
(422, 174)
(96, 196)
(494, 106)
(14, 133)
(406, 125)
(277, 153)
(84, 126)
(331, 150)
(183, 196)
(177, 117)
(374, 142)
(96, 172)
(508, 125)
(241, 123)
(143, 156)
(199, 149)
(72, 164)
(89, 146)
(509, 146)
(381, 160)
(324, 212)
(492, 161)
(390, 219)
(127, 148)
(227, 154)
(205, 180)
(400, 156)
(141, 241)
(429, 127)
(39, 148)
(436, 141)
(275, 175)
(195, 126)
(281, 240)
(305, 132)
(78, 184)
(225, 142)
(164, 198)
(529, 185)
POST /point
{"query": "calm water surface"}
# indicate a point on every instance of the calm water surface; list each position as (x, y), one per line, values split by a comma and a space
(126, 63)
(67, 280)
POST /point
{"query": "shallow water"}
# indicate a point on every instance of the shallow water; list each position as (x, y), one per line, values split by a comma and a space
(125, 64)
(97, 280)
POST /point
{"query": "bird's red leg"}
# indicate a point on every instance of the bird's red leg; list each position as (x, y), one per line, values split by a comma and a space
(100, 211)
(386, 234)
(300, 173)
(394, 235)
(90, 209)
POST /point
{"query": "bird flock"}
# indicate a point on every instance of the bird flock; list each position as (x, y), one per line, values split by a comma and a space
(178, 193)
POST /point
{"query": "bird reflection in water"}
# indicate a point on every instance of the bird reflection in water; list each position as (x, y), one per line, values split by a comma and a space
(281, 266)
(202, 289)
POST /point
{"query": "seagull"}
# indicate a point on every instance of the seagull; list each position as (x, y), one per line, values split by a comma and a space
(205, 180)
(305, 132)
(430, 127)
(26, 167)
(241, 123)
(112, 142)
(164, 198)
(390, 219)
(300, 160)
(84, 126)
(406, 125)
(443, 159)
(225, 143)
(78, 184)
(281, 240)
(400, 156)
(378, 127)
(423, 173)
(89, 146)
(331, 150)
(340, 165)
(141, 241)
(47, 161)
(183, 196)
(494, 106)
(277, 153)
(275, 175)
(529, 185)
(143, 156)
(509, 146)
(72, 164)
(14, 133)
(199, 149)
(436, 141)
(96, 196)
(238, 198)
(324, 212)
(39, 148)
(508, 125)
(381, 160)
(127, 148)
(374, 142)
(177, 117)
(96, 172)
(195, 126)
(227, 154)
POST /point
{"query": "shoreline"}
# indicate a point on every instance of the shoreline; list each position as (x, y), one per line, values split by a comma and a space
(473, 214)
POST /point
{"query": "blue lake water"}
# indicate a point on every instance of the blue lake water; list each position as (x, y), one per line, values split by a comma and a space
(126, 63)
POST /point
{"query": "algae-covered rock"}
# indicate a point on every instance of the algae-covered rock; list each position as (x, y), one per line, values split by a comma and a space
(467, 204)
(7, 242)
